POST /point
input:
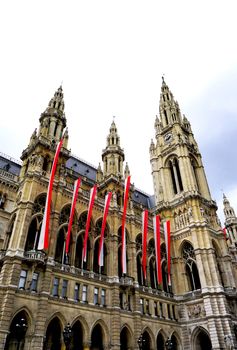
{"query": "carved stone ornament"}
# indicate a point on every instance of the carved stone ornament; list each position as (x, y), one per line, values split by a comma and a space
(196, 311)
(229, 344)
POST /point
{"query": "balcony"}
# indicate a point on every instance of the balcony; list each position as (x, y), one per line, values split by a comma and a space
(35, 255)
(126, 281)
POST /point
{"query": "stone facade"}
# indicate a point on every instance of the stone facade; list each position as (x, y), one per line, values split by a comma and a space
(41, 292)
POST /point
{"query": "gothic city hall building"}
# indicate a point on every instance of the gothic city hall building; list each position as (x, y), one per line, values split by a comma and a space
(50, 300)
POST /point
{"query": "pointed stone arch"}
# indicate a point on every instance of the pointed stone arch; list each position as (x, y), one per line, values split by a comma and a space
(126, 336)
(104, 329)
(84, 325)
(200, 339)
(60, 316)
(176, 340)
(152, 337)
(17, 336)
(161, 338)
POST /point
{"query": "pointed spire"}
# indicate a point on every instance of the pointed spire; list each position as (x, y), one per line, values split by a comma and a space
(99, 174)
(126, 171)
(228, 210)
(113, 155)
(57, 101)
(53, 120)
(169, 108)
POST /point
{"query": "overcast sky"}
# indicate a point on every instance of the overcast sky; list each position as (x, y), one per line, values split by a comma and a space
(110, 56)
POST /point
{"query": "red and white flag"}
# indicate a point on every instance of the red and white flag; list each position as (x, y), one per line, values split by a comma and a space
(167, 243)
(156, 224)
(144, 240)
(101, 247)
(123, 255)
(74, 200)
(44, 232)
(88, 220)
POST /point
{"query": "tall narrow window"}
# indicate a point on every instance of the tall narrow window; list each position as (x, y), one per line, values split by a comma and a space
(64, 289)
(166, 117)
(191, 267)
(76, 291)
(22, 281)
(173, 177)
(142, 305)
(96, 296)
(34, 282)
(103, 297)
(84, 294)
(176, 163)
(55, 286)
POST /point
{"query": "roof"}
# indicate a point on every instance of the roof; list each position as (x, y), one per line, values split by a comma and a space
(81, 167)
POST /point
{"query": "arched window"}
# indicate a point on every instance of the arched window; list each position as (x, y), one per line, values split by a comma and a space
(45, 166)
(125, 339)
(153, 277)
(195, 172)
(65, 215)
(18, 330)
(39, 204)
(202, 341)
(77, 336)
(9, 232)
(60, 246)
(97, 338)
(96, 267)
(120, 250)
(160, 342)
(139, 270)
(79, 248)
(174, 341)
(140, 276)
(34, 233)
(82, 221)
(53, 335)
(175, 175)
(164, 272)
(35, 225)
(166, 117)
(146, 341)
(191, 267)
(219, 265)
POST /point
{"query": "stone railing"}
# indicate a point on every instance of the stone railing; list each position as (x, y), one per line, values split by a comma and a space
(127, 281)
(9, 176)
(35, 255)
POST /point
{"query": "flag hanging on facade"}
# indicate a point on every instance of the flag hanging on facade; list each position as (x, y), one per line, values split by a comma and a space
(88, 220)
(44, 232)
(74, 200)
(144, 240)
(123, 255)
(156, 222)
(101, 246)
(167, 243)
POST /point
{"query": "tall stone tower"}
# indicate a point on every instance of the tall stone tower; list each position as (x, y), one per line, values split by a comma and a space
(182, 195)
(230, 220)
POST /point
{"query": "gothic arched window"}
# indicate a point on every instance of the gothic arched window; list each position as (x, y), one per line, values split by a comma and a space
(191, 266)
(164, 268)
(195, 172)
(175, 175)
(60, 246)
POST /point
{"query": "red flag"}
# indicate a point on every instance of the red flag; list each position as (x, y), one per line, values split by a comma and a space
(144, 240)
(167, 242)
(74, 200)
(88, 220)
(156, 221)
(44, 233)
(101, 247)
(126, 191)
